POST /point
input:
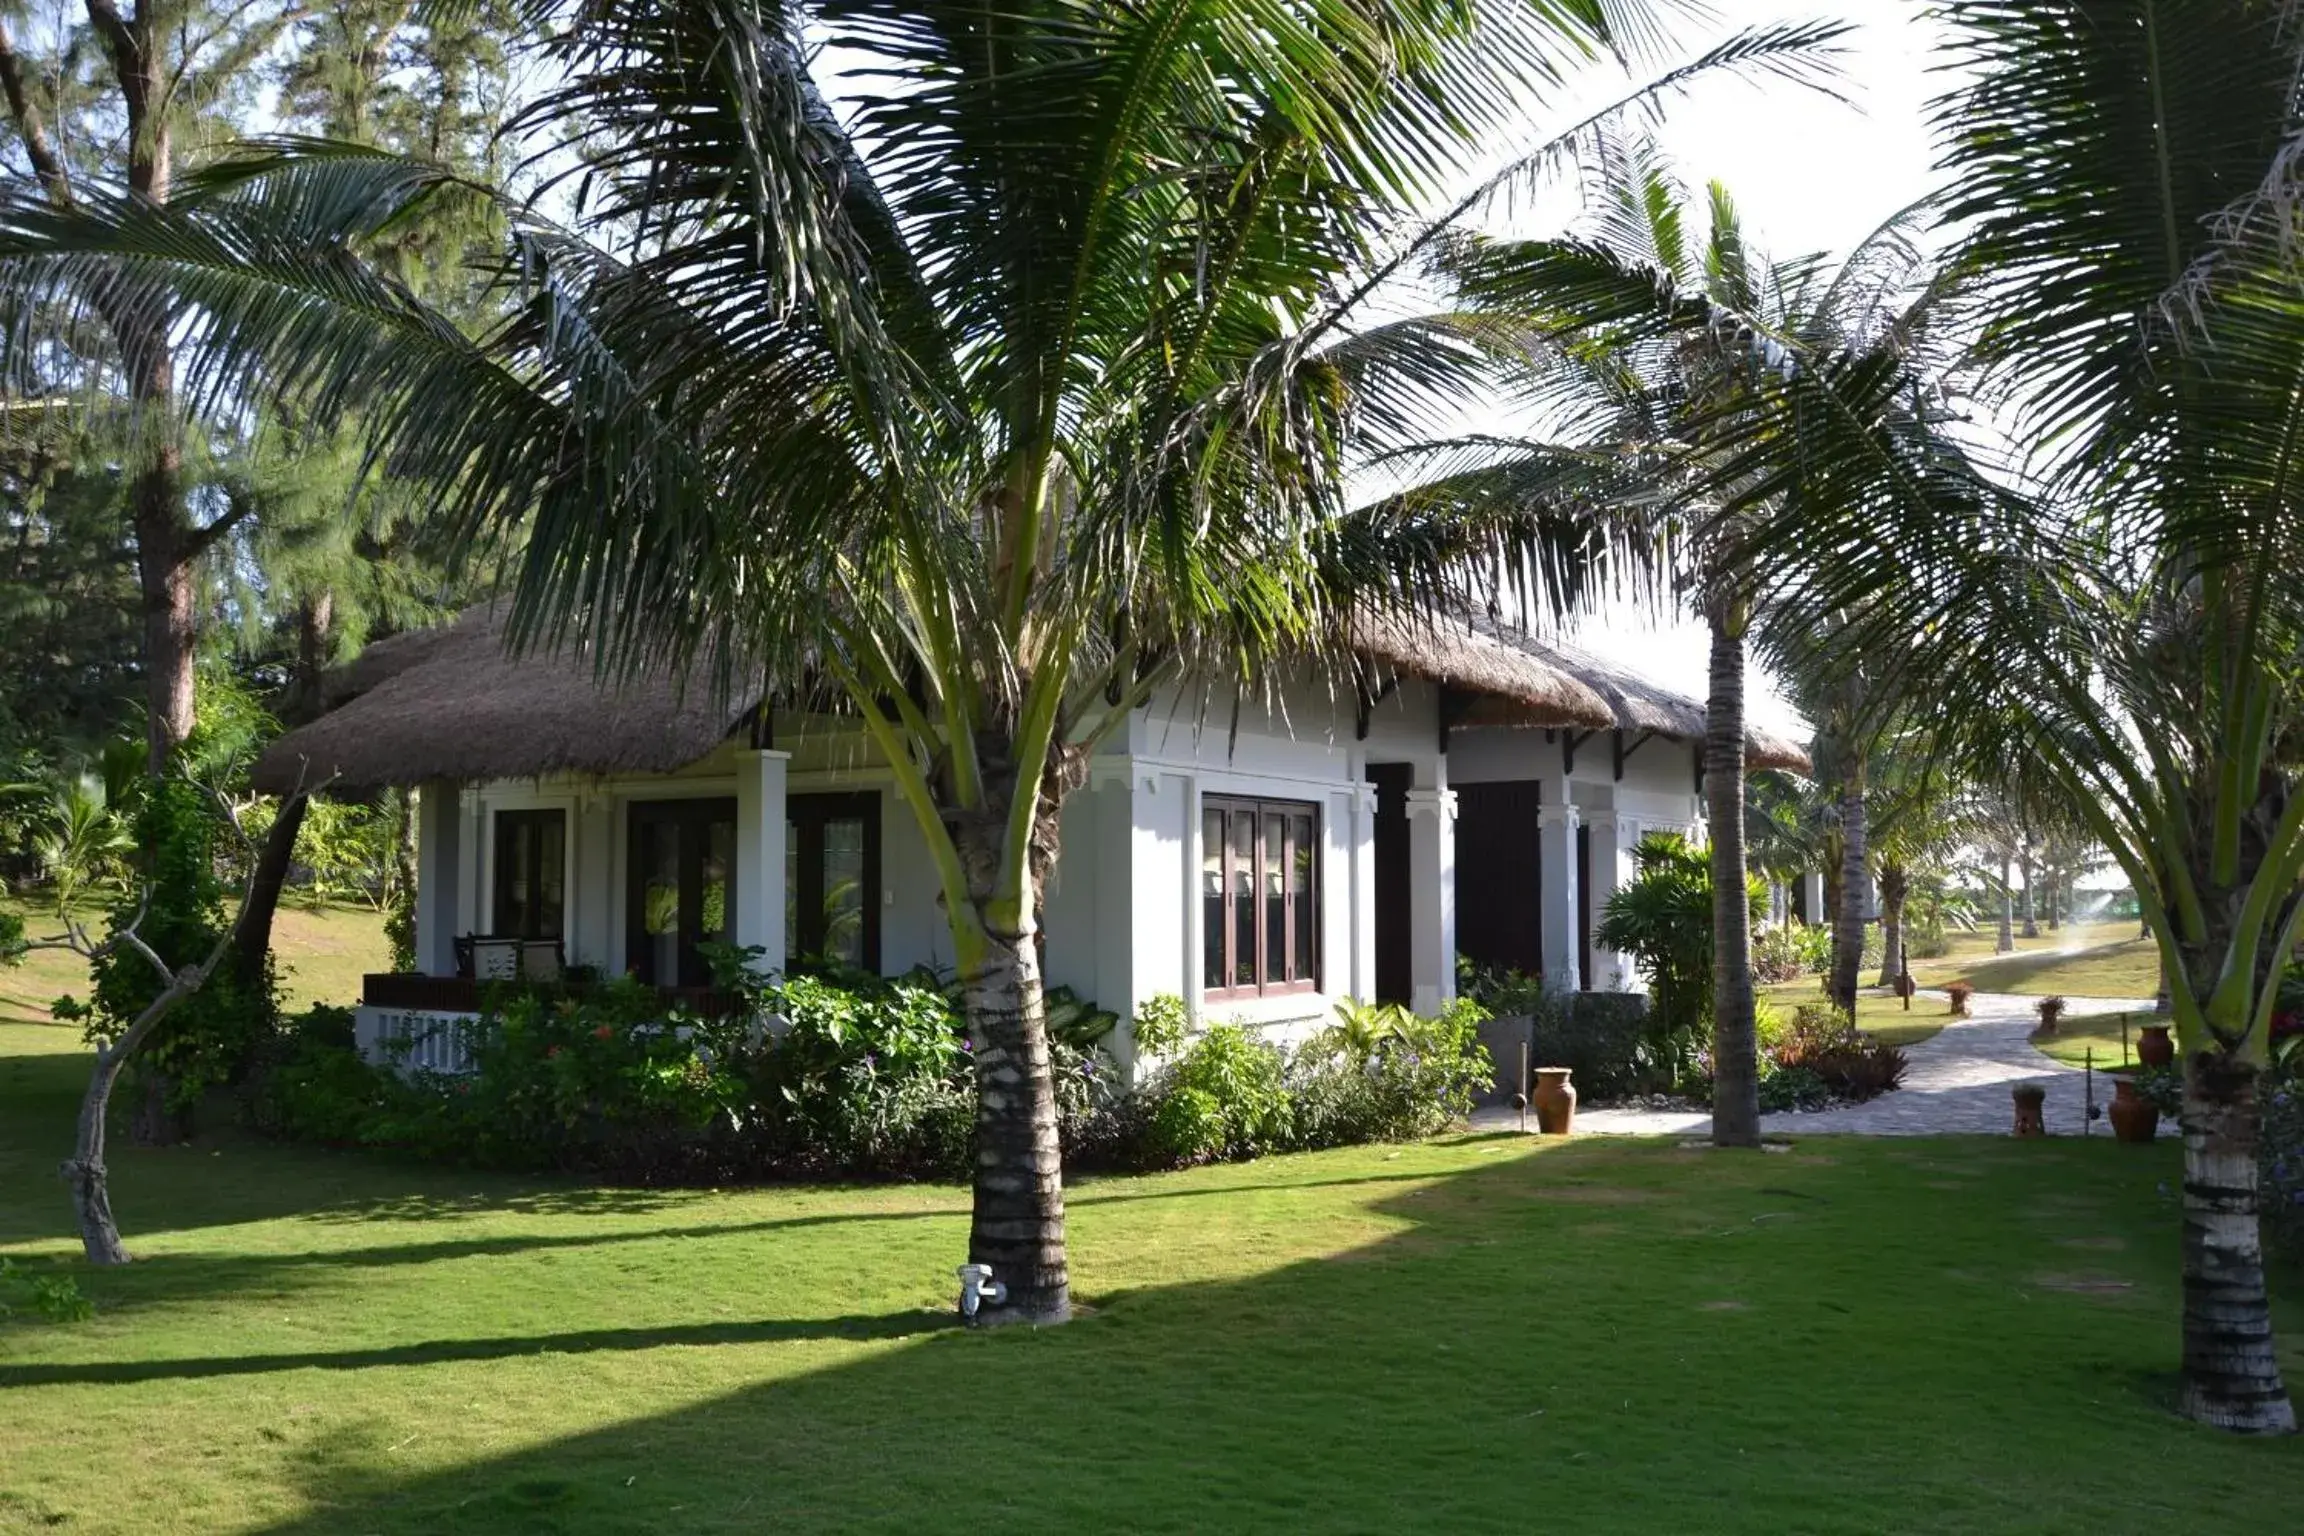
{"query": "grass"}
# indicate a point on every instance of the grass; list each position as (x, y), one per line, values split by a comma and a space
(2082, 960)
(2075, 1038)
(322, 952)
(1463, 1335)
(1881, 1015)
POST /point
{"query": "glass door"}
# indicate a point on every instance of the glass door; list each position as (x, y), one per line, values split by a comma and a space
(832, 881)
(682, 888)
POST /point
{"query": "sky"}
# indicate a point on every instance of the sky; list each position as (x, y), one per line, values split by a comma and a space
(1809, 173)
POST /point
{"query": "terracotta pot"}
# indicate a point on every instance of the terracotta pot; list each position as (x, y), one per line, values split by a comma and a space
(1555, 1101)
(2029, 1120)
(2155, 1049)
(2134, 1117)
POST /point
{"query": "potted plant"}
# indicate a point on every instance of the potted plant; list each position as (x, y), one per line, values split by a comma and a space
(2030, 1100)
(2050, 1009)
(1959, 992)
(2135, 1118)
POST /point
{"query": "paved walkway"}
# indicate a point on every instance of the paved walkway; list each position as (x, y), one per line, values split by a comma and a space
(1959, 1083)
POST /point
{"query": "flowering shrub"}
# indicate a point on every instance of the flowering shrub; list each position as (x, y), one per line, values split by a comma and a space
(1849, 1063)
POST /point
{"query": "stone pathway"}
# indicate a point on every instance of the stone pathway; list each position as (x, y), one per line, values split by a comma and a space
(1958, 1084)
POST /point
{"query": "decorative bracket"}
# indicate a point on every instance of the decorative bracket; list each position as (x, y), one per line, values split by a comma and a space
(1569, 743)
(1624, 753)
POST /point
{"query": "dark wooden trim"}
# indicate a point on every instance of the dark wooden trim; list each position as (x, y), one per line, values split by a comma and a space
(1364, 701)
(1570, 742)
(1454, 705)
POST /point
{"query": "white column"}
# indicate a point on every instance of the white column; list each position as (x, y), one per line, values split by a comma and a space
(1363, 832)
(1614, 836)
(1432, 892)
(439, 839)
(1558, 819)
(760, 855)
(1812, 896)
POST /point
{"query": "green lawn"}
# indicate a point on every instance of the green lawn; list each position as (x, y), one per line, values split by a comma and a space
(2084, 960)
(322, 952)
(2075, 1038)
(1472, 1334)
(1879, 1014)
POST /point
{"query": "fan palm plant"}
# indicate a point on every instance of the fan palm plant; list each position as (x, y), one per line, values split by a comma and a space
(2125, 195)
(1643, 338)
(980, 397)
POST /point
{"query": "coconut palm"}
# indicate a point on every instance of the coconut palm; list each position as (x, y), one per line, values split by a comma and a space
(2124, 196)
(979, 397)
(1643, 332)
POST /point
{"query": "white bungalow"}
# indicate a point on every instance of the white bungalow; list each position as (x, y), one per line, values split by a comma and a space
(1462, 791)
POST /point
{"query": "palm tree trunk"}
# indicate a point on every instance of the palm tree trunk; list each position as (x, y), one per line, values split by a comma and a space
(2007, 939)
(1894, 885)
(1735, 1039)
(2031, 916)
(1018, 1225)
(2231, 1370)
(1848, 924)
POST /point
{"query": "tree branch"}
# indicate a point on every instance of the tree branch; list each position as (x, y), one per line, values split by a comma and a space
(47, 165)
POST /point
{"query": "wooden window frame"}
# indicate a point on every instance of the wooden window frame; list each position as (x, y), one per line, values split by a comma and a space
(541, 822)
(807, 815)
(1288, 811)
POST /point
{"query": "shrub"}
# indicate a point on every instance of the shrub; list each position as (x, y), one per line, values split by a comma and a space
(1850, 1063)
(1662, 917)
(177, 909)
(1791, 950)
(1597, 1035)
(1789, 1088)
(1160, 1025)
(1235, 1098)
(1506, 994)
(864, 1078)
(2280, 1151)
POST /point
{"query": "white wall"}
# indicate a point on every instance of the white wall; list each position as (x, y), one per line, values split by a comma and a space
(1123, 915)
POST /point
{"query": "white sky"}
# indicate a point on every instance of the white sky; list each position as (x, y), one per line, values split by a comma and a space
(1809, 174)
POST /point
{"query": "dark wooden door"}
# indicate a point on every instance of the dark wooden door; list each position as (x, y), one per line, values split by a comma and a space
(1499, 882)
(1584, 914)
(1395, 948)
(680, 870)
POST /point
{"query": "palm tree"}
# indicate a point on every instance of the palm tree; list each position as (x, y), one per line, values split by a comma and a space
(2119, 621)
(1643, 338)
(980, 398)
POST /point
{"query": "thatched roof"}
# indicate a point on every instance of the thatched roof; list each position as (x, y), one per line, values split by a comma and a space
(1531, 689)
(1637, 704)
(451, 703)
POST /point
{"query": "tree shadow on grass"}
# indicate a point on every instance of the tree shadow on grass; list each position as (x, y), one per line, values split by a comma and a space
(894, 1325)
(1660, 1361)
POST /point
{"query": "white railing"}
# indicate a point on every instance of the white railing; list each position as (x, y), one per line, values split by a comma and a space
(418, 1040)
